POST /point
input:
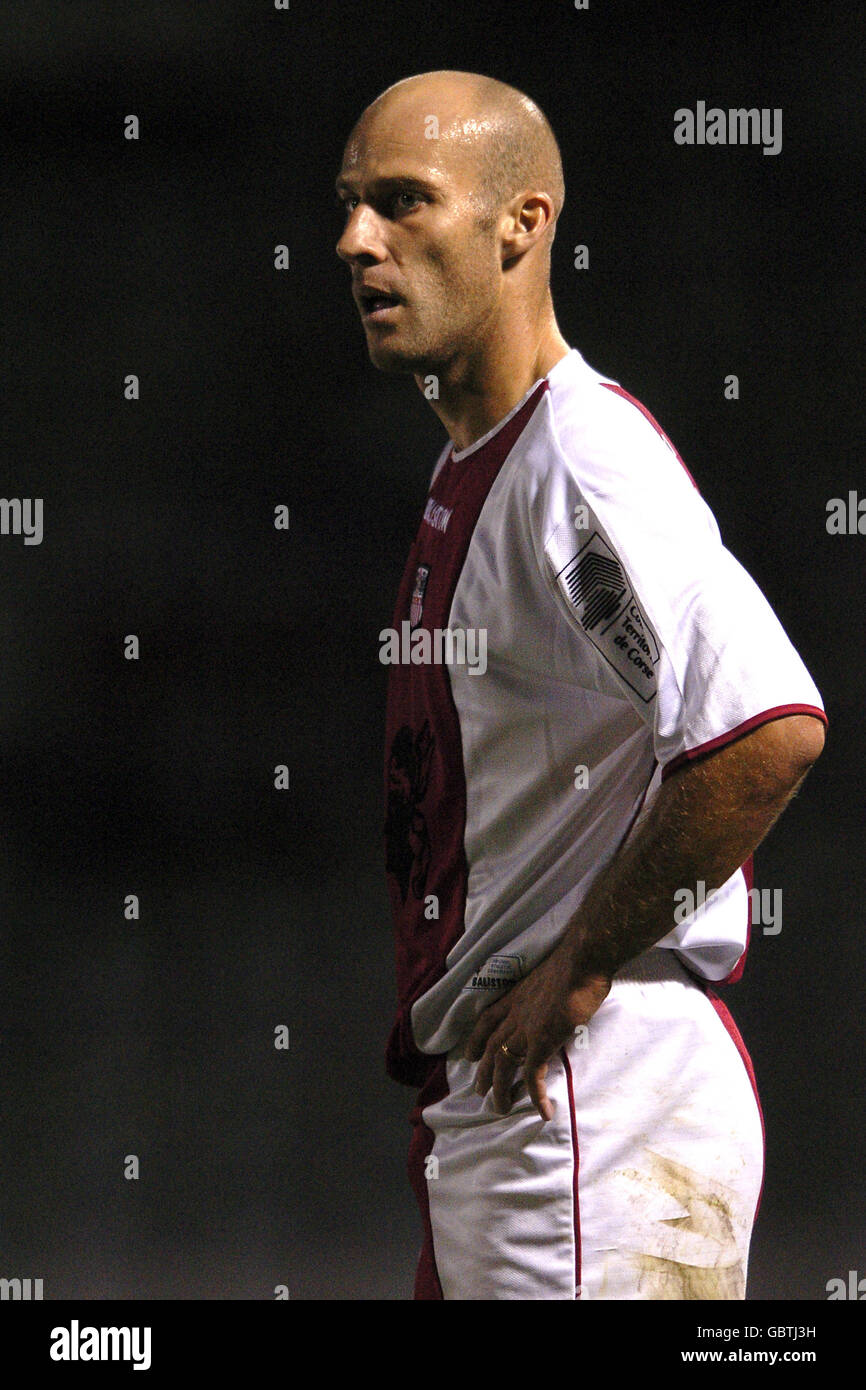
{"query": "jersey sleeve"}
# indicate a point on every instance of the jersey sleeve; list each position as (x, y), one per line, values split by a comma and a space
(636, 564)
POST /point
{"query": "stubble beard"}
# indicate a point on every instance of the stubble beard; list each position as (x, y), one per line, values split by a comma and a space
(433, 353)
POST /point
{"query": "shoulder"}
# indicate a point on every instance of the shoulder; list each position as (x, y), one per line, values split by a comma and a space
(609, 439)
(606, 461)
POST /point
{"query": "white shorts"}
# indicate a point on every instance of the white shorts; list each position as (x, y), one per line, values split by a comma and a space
(644, 1185)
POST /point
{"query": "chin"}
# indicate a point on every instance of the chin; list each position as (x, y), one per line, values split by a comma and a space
(392, 359)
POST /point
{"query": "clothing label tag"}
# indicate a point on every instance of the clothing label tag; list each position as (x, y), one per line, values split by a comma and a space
(499, 972)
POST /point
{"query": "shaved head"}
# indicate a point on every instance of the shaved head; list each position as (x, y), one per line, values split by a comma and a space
(451, 185)
(501, 130)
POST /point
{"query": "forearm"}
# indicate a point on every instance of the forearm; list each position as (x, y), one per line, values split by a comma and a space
(706, 821)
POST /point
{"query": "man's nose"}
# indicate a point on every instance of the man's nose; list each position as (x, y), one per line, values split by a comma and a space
(362, 236)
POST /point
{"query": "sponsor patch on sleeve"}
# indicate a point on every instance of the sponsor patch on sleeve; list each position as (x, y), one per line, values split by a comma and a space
(597, 588)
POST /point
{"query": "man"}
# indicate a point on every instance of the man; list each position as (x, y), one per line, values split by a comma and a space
(559, 810)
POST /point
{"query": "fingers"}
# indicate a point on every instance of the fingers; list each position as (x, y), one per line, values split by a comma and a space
(505, 1068)
(498, 1068)
(496, 1064)
(535, 1078)
(488, 1019)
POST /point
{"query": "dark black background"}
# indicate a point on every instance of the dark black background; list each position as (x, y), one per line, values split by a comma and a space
(259, 647)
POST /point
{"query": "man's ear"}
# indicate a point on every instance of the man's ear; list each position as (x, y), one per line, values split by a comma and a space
(525, 222)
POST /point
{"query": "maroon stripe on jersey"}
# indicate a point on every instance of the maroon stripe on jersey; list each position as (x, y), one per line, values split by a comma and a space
(425, 783)
(725, 1015)
(655, 424)
(427, 1285)
(777, 712)
(575, 1170)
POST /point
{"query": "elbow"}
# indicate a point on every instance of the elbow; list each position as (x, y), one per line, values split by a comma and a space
(801, 738)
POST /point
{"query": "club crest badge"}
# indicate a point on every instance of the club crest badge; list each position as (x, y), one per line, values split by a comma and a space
(416, 607)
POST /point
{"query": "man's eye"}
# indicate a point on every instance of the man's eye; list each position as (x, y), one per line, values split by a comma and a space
(411, 198)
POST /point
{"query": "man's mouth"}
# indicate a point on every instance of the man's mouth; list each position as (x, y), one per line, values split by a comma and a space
(377, 305)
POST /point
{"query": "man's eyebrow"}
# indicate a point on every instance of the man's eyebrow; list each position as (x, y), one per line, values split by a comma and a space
(346, 184)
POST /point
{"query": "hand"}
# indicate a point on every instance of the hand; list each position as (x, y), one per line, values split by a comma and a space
(535, 1019)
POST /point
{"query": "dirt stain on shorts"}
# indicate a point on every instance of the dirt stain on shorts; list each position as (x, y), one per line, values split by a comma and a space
(695, 1255)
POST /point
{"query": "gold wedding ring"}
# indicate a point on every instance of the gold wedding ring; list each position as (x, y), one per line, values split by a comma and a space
(503, 1047)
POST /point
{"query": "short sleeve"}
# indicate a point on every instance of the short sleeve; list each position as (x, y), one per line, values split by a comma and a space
(637, 566)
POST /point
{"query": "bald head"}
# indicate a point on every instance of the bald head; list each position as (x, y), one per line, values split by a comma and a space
(495, 130)
(451, 184)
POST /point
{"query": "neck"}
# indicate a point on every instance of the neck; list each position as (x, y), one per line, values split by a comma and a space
(477, 389)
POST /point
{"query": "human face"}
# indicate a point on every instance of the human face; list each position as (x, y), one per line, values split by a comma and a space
(425, 274)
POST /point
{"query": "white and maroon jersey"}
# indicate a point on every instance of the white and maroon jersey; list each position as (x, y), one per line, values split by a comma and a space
(569, 630)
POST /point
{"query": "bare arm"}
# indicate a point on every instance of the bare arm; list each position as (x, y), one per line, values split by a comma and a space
(705, 822)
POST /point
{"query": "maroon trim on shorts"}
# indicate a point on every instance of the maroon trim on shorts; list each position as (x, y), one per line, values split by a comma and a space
(777, 712)
(576, 1169)
(725, 1015)
(427, 1285)
(748, 872)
